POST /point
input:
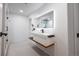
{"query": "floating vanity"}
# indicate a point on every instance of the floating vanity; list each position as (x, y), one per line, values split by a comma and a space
(45, 42)
(43, 39)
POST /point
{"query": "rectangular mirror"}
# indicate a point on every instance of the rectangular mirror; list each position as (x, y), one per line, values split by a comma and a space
(45, 21)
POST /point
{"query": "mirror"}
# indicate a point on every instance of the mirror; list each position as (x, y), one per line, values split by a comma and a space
(45, 21)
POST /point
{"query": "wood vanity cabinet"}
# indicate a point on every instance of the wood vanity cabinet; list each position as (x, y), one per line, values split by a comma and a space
(46, 44)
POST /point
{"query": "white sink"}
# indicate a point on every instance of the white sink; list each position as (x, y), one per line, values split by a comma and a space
(41, 34)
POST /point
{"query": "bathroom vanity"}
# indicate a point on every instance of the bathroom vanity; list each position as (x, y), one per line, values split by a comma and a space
(42, 32)
(45, 42)
(43, 39)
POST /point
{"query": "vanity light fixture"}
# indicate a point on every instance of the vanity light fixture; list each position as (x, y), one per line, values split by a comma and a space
(21, 11)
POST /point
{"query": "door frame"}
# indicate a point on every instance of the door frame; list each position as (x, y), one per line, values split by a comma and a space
(3, 29)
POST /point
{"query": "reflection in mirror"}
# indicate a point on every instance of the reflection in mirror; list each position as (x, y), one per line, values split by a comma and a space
(45, 21)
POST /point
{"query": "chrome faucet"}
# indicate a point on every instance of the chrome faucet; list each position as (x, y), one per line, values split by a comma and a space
(42, 30)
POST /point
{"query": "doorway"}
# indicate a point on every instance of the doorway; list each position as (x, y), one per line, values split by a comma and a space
(3, 30)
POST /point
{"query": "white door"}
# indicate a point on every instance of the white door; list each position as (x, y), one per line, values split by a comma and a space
(3, 32)
(76, 27)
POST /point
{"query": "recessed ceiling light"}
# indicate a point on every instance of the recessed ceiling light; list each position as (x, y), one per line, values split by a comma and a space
(21, 11)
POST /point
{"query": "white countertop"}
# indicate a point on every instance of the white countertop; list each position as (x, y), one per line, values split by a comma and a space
(44, 34)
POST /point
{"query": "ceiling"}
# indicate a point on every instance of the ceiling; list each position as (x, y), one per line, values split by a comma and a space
(27, 8)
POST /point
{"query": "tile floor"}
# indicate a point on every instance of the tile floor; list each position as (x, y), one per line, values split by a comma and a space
(25, 48)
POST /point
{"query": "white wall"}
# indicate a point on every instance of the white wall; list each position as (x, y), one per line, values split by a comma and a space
(18, 28)
(60, 19)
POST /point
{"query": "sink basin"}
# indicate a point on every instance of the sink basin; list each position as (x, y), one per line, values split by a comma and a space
(43, 34)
